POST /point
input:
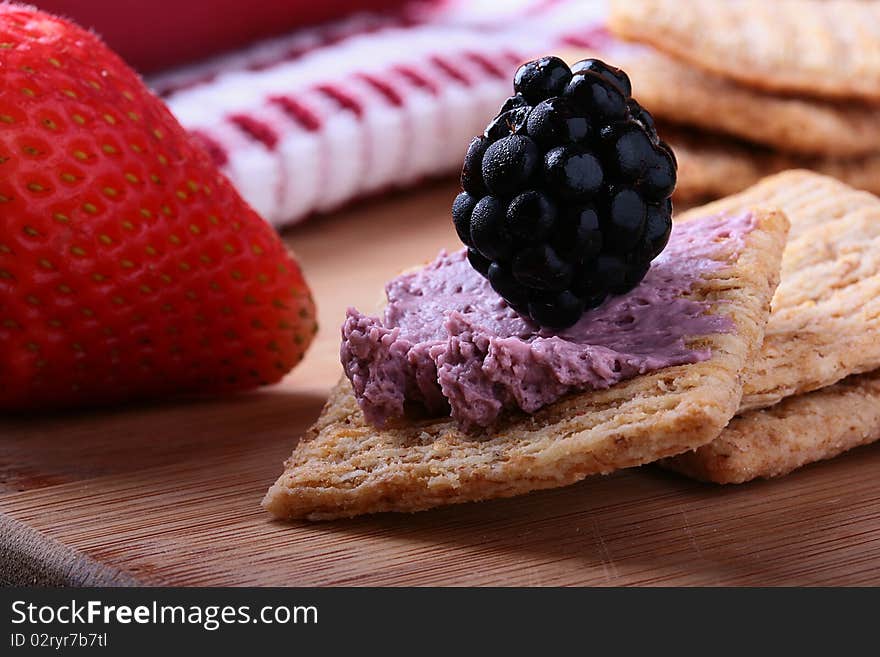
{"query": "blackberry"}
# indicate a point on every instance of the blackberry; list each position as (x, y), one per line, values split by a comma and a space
(462, 209)
(578, 235)
(641, 115)
(567, 193)
(556, 309)
(489, 234)
(530, 216)
(478, 262)
(605, 99)
(471, 171)
(512, 103)
(509, 163)
(611, 74)
(555, 121)
(508, 123)
(572, 172)
(539, 267)
(502, 281)
(625, 219)
(541, 78)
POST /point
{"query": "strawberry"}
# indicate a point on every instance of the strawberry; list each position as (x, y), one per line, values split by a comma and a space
(129, 266)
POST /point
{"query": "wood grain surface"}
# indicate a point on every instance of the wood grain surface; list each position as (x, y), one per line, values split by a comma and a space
(168, 493)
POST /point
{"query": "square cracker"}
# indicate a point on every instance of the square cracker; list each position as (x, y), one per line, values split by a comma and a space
(344, 466)
(805, 126)
(825, 322)
(710, 166)
(797, 431)
(828, 48)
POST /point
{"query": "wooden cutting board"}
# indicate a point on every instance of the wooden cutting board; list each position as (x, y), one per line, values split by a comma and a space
(169, 493)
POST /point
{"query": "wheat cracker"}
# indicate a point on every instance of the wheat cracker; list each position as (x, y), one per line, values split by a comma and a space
(675, 91)
(826, 48)
(344, 466)
(825, 322)
(799, 430)
(710, 166)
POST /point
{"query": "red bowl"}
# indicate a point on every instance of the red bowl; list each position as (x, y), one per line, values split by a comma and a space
(161, 33)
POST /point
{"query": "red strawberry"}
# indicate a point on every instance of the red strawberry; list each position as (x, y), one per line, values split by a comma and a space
(129, 266)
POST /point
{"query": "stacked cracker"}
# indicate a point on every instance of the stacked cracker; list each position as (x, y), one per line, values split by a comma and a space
(814, 392)
(745, 89)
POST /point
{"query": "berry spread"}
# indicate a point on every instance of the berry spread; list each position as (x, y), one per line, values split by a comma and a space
(448, 343)
(566, 194)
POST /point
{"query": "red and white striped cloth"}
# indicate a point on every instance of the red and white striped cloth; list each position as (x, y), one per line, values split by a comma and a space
(313, 120)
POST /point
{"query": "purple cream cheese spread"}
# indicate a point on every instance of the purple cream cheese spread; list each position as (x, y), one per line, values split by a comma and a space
(449, 343)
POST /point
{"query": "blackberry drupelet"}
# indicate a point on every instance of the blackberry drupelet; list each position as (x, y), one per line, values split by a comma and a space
(567, 193)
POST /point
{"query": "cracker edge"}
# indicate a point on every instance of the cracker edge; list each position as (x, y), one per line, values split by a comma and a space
(798, 431)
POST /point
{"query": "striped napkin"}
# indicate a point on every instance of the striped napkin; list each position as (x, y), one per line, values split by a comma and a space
(311, 121)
